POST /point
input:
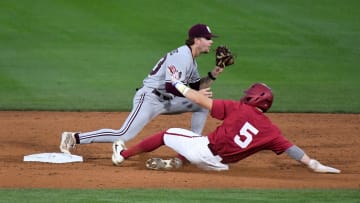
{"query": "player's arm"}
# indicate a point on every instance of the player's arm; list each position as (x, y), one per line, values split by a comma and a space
(298, 154)
(195, 96)
(224, 58)
(206, 81)
(201, 97)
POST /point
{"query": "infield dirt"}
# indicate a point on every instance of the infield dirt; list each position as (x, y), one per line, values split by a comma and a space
(333, 139)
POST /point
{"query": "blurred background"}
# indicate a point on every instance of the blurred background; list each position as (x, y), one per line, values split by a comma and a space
(77, 55)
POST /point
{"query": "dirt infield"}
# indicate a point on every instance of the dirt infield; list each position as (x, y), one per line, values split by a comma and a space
(331, 138)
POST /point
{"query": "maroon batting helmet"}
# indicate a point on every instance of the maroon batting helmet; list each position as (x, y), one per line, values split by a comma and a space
(258, 95)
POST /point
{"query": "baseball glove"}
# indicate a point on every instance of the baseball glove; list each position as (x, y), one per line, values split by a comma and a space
(224, 57)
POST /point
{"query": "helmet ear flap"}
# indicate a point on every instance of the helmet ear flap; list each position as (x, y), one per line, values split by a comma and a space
(258, 95)
(265, 105)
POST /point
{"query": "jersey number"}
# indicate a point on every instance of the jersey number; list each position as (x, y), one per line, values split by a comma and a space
(247, 131)
(158, 65)
(161, 62)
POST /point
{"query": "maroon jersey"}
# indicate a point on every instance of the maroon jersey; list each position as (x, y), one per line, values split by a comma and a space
(244, 131)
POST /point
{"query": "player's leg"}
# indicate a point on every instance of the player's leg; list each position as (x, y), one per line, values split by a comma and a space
(145, 108)
(198, 120)
(146, 145)
(181, 105)
(120, 153)
(194, 148)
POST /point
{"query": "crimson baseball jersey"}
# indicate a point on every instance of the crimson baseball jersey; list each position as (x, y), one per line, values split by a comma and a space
(244, 131)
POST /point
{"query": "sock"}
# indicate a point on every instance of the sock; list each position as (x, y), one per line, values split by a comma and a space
(183, 159)
(147, 145)
(77, 138)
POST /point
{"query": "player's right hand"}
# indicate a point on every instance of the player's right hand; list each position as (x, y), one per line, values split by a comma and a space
(206, 92)
(320, 168)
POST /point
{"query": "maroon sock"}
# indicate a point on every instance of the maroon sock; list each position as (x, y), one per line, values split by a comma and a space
(183, 159)
(77, 138)
(147, 145)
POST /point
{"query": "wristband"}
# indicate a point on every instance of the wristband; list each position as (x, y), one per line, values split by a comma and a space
(181, 87)
(211, 76)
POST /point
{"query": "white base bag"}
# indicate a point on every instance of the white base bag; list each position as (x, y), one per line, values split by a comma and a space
(53, 158)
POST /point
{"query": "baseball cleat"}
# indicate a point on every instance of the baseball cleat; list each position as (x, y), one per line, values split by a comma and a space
(67, 142)
(159, 163)
(118, 146)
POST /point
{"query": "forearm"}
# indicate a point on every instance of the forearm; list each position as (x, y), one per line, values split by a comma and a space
(194, 95)
(305, 159)
(206, 82)
(211, 76)
(299, 155)
(295, 153)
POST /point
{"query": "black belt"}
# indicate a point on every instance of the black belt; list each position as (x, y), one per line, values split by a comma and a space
(210, 146)
(157, 93)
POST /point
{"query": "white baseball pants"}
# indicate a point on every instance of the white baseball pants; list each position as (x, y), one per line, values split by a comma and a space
(194, 148)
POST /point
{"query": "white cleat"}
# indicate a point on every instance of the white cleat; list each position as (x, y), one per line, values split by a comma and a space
(67, 142)
(118, 146)
(159, 163)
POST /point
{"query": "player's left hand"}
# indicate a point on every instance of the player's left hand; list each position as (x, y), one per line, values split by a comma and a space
(216, 71)
(320, 168)
(224, 57)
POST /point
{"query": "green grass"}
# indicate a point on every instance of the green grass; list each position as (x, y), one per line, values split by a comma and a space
(78, 55)
(91, 55)
(177, 196)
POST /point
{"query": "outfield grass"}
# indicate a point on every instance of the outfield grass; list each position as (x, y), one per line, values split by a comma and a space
(91, 55)
(179, 196)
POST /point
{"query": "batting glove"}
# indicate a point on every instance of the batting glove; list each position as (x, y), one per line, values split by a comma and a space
(319, 168)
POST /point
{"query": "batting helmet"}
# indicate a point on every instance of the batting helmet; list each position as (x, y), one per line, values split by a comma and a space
(258, 95)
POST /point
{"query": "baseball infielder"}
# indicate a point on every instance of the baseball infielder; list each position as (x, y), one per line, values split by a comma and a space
(244, 131)
(158, 96)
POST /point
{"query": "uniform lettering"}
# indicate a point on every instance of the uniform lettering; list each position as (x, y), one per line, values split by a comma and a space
(247, 131)
(158, 65)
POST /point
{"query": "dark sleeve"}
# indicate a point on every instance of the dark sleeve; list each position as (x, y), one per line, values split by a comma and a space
(171, 89)
(195, 85)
